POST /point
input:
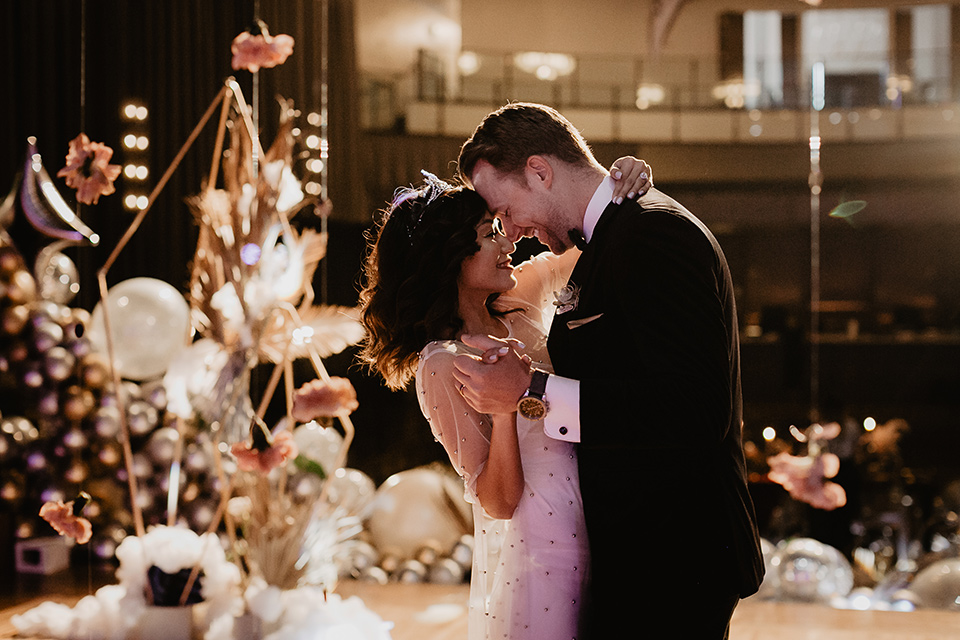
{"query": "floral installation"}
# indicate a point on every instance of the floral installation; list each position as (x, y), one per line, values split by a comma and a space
(264, 451)
(324, 398)
(256, 48)
(304, 613)
(67, 520)
(567, 298)
(89, 170)
(806, 477)
(115, 610)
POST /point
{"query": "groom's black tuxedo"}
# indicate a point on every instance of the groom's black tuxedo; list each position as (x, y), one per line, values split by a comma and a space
(653, 341)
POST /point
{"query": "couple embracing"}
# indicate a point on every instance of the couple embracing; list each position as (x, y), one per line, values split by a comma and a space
(588, 397)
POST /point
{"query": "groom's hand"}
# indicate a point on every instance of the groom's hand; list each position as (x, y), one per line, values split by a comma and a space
(493, 382)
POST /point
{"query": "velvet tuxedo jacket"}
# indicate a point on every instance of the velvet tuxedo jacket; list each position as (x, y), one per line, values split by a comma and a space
(653, 341)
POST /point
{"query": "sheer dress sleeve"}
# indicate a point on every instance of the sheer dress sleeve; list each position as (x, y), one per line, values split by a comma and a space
(464, 433)
(537, 280)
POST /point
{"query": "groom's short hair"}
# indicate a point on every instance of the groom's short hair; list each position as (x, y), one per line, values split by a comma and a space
(514, 132)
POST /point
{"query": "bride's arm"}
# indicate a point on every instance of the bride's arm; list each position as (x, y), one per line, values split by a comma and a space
(500, 484)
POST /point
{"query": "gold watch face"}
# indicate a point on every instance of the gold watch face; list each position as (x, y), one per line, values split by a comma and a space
(532, 408)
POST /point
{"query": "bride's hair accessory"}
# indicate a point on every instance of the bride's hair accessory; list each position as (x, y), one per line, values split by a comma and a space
(433, 188)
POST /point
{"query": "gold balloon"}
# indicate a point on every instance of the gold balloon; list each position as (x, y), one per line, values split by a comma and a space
(96, 371)
(15, 319)
(22, 288)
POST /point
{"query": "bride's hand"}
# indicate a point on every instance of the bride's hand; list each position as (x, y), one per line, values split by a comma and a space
(633, 178)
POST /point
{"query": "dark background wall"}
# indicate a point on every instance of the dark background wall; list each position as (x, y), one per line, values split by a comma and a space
(895, 269)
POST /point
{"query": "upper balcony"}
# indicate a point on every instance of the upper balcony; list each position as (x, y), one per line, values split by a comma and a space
(685, 100)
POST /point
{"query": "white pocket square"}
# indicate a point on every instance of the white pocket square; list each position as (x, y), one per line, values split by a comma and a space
(573, 324)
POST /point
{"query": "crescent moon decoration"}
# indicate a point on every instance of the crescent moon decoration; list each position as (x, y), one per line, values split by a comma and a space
(43, 205)
(7, 206)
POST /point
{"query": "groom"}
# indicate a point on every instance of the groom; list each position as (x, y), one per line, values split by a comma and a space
(647, 379)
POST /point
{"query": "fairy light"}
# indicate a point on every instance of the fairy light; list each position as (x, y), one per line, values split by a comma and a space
(769, 434)
(869, 424)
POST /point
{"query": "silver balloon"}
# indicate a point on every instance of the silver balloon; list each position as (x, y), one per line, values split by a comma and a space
(142, 418)
(938, 585)
(106, 422)
(162, 445)
(57, 277)
(810, 571)
(47, 334)
(59, 363)
(445, 571)
(411, 572)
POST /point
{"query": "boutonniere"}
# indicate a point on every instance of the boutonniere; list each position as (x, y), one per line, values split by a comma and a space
(567, 298)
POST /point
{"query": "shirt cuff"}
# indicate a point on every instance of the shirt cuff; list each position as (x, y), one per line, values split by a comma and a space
(562, 421)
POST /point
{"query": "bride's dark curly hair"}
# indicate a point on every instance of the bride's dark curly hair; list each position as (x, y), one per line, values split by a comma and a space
(413, 263)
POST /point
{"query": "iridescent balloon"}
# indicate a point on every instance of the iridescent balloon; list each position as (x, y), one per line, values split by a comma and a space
(319, 444)
(57, 277)
(810, 571)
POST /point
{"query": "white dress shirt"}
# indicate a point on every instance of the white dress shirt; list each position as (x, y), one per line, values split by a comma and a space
(562, 421)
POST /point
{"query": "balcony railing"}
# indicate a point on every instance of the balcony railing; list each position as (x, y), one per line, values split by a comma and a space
(636, 84)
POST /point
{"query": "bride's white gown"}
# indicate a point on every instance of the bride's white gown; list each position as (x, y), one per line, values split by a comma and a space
(529, 572)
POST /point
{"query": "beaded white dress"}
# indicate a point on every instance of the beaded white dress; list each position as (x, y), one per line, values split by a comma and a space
(529, 572)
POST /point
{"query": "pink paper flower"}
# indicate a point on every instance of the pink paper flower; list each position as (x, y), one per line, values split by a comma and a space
(66, 518)
(324, 398)
(805, 479)
(256, 49)
(264, 451)
(89, 170)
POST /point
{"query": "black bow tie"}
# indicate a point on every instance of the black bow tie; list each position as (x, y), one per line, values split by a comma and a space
(577, 238)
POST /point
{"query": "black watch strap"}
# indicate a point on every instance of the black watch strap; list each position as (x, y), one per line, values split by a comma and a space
(538, 383)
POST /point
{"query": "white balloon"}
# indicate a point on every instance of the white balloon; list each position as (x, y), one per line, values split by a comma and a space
(418, 508)
(150, 324)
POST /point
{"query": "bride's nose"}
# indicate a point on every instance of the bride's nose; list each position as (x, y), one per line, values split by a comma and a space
(507, 245)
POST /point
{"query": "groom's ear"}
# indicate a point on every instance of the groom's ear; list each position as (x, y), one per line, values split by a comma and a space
(539, 171)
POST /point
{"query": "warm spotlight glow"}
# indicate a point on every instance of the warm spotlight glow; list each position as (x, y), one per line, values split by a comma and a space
(468, 63)
(649, 95)
(142, 202)
(869, 424)
(142, 113)
(130, 201)
(734, 92)
(546, 66)
(129, 111)
(769, 434)
(315, 165)
(312, 141)
(130, 171)
(143, 142)
(313, 119)
(130, 141)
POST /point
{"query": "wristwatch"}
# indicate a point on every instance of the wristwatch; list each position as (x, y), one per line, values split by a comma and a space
(532, 404)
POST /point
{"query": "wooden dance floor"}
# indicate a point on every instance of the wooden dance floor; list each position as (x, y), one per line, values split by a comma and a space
(434, 612)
